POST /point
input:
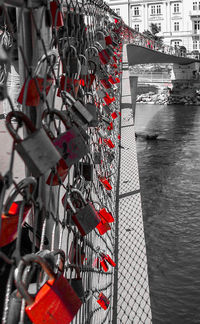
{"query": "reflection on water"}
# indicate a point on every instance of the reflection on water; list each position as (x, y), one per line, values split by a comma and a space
(170, 186)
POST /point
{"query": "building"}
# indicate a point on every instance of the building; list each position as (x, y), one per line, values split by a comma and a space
(177, 20)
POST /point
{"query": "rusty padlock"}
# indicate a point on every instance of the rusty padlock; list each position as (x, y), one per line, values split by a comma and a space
(12, 210)
(55, 302)
(86, 217)
(79, 113)
(70, 144)
(41, 81)
(76, 282)
(36, 150)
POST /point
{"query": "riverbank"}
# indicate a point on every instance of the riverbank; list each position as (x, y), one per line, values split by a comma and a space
(166, 96)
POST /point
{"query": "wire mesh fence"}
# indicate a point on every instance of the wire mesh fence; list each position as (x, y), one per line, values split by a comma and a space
(59, 221)
(64, 126)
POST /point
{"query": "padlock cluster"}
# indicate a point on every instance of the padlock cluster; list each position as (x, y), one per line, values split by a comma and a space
(54, 220)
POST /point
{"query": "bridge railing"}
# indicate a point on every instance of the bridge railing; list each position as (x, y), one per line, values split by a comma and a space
(140, 39)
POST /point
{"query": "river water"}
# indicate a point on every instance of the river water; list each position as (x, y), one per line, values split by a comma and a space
(169, 171)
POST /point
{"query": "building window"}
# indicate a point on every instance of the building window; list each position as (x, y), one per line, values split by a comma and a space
(176, 43)
(176, 26)
(195, 45)
(158, 9)
(153, 10)
(195, 5)
(196, 25)
(137, 28)
(176, 8)
(136, 11)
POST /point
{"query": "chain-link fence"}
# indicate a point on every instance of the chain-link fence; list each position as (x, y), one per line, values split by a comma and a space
(64, 123)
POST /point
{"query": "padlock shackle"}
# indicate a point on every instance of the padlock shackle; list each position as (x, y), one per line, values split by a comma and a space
(62, 258)
(21, 116)
(58, 113)
(76, 268)
(42, 59)
(23, 184)
(90, 47)
(27, 260)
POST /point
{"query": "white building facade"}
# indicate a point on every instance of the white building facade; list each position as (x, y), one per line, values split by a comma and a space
(177, 20)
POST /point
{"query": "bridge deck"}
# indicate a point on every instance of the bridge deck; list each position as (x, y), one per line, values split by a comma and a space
(142, 55)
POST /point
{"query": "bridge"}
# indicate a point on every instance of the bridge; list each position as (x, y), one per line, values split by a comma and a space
(142, 55)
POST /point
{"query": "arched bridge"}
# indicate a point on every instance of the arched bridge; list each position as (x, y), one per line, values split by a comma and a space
(142, 55)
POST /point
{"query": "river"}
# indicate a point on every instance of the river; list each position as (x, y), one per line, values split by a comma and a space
(169, 171)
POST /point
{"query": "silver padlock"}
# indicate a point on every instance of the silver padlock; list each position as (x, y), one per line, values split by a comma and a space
(37, 150)
(86, 217)
(80, 114)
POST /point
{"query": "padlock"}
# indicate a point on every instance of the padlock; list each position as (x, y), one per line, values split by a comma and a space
(114, 115)
(70, 144)
(68, 84)
(87, 169)
(108, 142)
(92, 55)
(71, 62)
(37, 150)
(12, 209)
(108, 100)
(76, 253)
(58, 174)
(42, 79)
(106, 216)
(84, 66)
(92, 108)
(105, 183)
(79, 113)
(56, 13)
(100, 38)
(103, 54)
(103, 227)
(76, 283)
(103, 301)
(56, 298)
(86, 218)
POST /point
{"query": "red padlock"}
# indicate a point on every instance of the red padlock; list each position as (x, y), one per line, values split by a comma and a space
(108, 142)
(15, 211)
(103, 301)
(114, 115)
(106, 216)
(105, 183)
(55, 302)
(103, 227)
(41, 81)
(56, 13)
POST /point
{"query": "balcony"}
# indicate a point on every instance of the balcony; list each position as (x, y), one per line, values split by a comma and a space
(194, 13)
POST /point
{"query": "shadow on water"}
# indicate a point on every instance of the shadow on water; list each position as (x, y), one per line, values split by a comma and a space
(169, 169)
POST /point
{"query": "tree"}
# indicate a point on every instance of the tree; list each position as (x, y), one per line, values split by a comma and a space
(152, 34)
